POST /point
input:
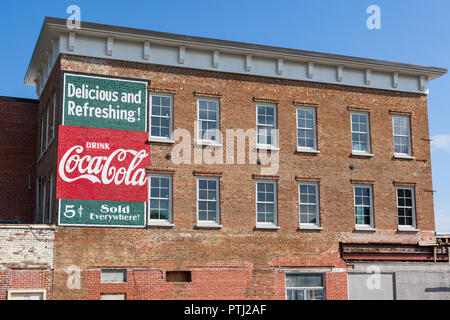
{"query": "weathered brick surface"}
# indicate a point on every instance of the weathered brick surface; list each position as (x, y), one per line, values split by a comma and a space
(18, 129)
(185, 248)
(26, 259)
(26, 247)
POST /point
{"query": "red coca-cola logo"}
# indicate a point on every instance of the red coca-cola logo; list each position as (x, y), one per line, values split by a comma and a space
(102, 164)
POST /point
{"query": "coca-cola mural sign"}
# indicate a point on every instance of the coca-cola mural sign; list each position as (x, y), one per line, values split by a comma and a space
(101, 178)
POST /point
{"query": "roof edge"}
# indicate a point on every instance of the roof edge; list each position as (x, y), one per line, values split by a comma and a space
(250, 46)
(17, 99)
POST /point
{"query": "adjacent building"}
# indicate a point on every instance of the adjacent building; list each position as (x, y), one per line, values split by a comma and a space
(273, 173)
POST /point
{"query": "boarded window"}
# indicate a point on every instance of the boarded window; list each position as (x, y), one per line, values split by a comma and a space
(178, 276)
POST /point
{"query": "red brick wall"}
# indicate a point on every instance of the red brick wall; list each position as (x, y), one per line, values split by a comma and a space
(26, 279)
(336, 285)
(18, 129)
(184, 247)
(214, 282)
(46, 163)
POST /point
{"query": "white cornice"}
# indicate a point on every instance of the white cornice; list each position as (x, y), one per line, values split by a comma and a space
(225, 56)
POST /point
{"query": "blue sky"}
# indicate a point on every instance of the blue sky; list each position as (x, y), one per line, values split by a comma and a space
(412, 31)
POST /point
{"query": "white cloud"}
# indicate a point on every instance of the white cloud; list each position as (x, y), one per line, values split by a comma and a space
(442, 221)
(441, 142)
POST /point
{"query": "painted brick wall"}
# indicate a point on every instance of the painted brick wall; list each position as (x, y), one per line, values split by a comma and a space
(184, 247)
(26, 258)
(26, 246)
(18, 129)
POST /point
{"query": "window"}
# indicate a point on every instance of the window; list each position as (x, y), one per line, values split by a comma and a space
(178, 276)
(42, 138)
(266, 124)
(309, 204)
(112, 296)
(208, 120)
(114, 276)
(402, 135)
(161, 116)
(160, 199)
(47, 121)
(208, 200)
(47, 209)
(305, 287)
(53, 126)
(266, 203)
(363, 205)
(26, 294)
(406, 207)
(360, 132)
(306, 129)
(43, 201)
(50, 198)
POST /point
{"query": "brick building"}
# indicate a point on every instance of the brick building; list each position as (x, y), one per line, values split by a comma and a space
(336, 167)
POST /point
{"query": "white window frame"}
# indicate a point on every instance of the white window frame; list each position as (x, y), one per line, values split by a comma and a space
(109, 296)
(25, 291)
(413, 208)
(122, 271)
(159, 138)
(274, 134)
(360, 152)
(323, 288)
(363, 226)
(317, 204)
(314, 129)
(218, 140)
(156, 222)
(267, 225)
(398, 154)
(207, 223)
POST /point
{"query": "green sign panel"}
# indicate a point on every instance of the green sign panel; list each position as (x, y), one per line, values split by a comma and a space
(99, 102)
(99, 213)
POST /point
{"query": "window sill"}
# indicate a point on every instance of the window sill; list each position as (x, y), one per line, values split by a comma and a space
(160, 224)
(309, 227)
(403, 156)
(267, 148)
(364, 229)
(300, 150)
(160, 140)
(407, 229)
(266, 226)
(206, 225)
(208, 143)
(362, 154)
